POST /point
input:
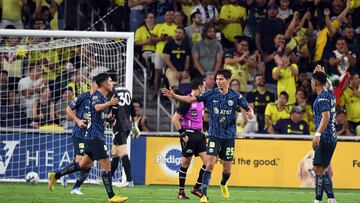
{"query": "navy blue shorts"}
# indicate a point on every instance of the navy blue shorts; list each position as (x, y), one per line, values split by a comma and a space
(224, 148)
(79, 146)
(96, 149)
(324, 153)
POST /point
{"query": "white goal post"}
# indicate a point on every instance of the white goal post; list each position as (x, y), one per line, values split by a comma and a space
(25, 144)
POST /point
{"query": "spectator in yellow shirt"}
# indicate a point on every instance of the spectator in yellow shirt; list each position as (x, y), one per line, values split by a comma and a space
(285, 73)
(162, 33)
(350, 101)
(275, 111)
(143, 38)
(232, 17)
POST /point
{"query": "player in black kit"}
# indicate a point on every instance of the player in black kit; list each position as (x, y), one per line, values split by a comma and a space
(122, 113)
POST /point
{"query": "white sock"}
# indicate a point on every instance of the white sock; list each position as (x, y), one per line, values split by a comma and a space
(332, 200)
(317, 201)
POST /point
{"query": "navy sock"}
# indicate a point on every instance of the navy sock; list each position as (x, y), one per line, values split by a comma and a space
(199, 180)
(71, 168)
(205, 182)
(182, 178)
(83, 174)
(225, 178)
(114, 164)
(319, 188)
(328, 186)
(106, 177)
(127, 167)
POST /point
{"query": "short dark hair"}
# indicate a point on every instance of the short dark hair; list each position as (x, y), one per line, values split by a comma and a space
(195, 83)
(224, 72)
(113, 75)
(284, 94)
(137, 101)
(181, 28)
(4, 72)
(259, 74)
(320, 77)
(101, 78)
(303, 91)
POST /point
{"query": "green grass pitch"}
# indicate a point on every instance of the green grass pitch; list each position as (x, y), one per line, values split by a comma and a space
(22, 192)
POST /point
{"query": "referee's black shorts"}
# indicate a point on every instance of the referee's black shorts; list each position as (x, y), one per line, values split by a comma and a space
(195, 145)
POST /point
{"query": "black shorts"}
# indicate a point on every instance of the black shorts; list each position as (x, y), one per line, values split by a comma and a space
(96, 149)
(79, 146)
(224, 148)
(324, 153)
(195, 145)
(120, 138)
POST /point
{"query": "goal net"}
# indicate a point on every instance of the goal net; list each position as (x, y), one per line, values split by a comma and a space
(41, 72)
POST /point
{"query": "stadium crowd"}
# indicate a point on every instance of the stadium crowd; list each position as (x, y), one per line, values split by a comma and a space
(271, 47)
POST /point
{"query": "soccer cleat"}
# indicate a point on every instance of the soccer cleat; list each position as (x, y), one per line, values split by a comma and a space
(203, 199)
(182, 195)
(118, 199)
(51, 181)
(224, 191)
(332, 200)
(126, 184)
(196, 192)
(76, 191)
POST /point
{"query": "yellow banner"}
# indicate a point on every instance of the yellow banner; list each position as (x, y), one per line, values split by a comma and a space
(261, 163)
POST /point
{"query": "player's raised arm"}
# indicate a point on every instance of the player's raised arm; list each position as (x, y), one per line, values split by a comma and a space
(170, 93)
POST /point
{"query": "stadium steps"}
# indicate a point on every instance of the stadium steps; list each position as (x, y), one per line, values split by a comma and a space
(151, 110)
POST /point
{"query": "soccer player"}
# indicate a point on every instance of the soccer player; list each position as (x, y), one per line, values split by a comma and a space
(77, 110)
(122, 112)
(325, 140)
(96, 148)
(188, 120)
(222, 104)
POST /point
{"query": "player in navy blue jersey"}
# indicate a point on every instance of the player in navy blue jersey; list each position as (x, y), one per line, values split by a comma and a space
(78, 112)
(324, 142)
(222, 104)
(95, 146)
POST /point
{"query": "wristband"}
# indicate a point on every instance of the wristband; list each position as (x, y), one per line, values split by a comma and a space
(317, 134)
(182, 132)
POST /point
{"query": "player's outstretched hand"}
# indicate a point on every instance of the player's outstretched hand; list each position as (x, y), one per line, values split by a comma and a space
(114, 100)
(319, 68)
(135, 132)
(250, 113)
(316, 141)
(168, 92)
(81, 123)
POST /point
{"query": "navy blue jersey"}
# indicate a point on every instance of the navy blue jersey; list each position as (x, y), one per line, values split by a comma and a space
(96, 128)
(287, 126)
(222, 109)
(81, 106)
(326, 101)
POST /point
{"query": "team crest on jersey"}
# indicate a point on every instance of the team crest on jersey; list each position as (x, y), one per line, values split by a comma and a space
(301, 127)
(216, 110)
(230, 102)
(267, 98)
(194, 105)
